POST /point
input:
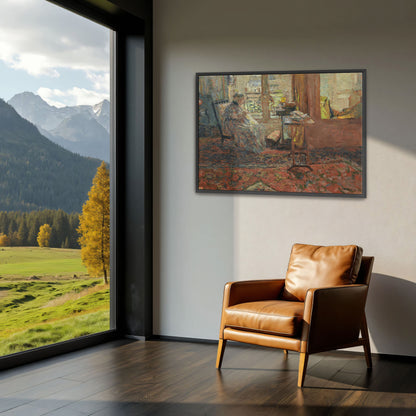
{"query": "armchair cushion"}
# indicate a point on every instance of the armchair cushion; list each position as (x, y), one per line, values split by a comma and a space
(277, 317)
(319, 266)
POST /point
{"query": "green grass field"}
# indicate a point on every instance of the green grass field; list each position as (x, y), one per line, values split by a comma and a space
(41, 302)
(35, 261)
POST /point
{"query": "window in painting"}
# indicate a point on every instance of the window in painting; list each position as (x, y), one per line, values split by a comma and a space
(341, 95)
(281, 89)
(263, 95)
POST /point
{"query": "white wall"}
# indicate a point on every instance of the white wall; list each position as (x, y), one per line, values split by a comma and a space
(204, 240)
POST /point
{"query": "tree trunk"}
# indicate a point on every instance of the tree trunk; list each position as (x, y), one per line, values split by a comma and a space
(102, 248)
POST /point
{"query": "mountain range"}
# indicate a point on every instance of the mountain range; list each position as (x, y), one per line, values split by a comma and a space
(36, 173)
(82, 129)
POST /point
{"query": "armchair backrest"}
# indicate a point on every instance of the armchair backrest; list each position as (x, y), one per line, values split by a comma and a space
(366, 267)
(320, 266)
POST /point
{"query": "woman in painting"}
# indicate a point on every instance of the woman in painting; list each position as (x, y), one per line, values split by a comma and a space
(247, 132)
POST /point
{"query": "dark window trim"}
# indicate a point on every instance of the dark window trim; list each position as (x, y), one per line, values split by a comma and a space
(129, 315)
(48, 351)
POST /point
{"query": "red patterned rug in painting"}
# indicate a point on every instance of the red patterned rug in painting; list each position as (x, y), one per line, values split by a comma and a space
(223, 167)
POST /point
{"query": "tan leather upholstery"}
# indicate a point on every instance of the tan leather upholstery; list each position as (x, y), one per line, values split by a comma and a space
(318, 266)
(253, 290)
(265, 340)
(278, 317)
(331, 316)
(364, 274)
(249, 290)
(340, 326)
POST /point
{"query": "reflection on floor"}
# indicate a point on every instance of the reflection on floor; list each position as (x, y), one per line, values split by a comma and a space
(179, 378)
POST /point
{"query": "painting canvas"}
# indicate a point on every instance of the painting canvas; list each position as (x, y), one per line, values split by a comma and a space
(281, 132)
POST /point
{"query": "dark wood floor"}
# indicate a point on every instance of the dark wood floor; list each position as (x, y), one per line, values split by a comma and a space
(178, 378)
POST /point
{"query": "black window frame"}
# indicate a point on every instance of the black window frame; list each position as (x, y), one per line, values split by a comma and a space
(131, 297)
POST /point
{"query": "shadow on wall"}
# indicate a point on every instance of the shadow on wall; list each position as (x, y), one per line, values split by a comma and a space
(391, 309)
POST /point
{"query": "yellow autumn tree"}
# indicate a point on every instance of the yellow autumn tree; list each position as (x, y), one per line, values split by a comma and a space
(44, 235)
(4, 240)
(94, 226)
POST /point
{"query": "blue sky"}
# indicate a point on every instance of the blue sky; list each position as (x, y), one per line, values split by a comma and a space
(51, 52)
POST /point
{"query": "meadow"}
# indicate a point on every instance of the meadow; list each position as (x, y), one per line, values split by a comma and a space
(46, 296)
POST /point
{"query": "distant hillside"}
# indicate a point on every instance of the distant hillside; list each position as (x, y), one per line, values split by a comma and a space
(83, 135)
(34, 109)
(36, 173)
(102, 113)
(82, 129)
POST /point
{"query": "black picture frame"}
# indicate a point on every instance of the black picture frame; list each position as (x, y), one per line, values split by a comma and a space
(312, 142)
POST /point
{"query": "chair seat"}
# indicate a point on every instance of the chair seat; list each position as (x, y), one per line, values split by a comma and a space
(278, 317)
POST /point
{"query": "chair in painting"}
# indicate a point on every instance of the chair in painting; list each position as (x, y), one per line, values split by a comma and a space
(318, 307)
(219, 108)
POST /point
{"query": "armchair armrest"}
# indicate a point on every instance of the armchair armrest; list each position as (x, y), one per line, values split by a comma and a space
(249, 291)
(333, 317)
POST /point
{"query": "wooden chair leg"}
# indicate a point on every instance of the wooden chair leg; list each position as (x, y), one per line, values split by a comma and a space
(366, 343)
(303, 364)
(285, 352)
(220, 352)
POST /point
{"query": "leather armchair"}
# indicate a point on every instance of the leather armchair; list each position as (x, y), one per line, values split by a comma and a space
(318, 307)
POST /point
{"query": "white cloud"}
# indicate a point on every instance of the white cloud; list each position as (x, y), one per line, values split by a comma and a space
(31, 63)
(41, 38)
(100, 81)
(70, 97)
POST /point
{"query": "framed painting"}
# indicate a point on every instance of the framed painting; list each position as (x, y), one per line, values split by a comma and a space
(291, 133)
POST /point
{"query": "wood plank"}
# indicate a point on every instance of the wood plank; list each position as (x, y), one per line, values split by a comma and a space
(180, 378)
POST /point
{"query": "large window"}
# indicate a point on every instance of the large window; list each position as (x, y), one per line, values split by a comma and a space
(54, 176)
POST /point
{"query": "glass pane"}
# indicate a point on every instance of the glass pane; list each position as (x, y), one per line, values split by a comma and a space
(54, 175)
